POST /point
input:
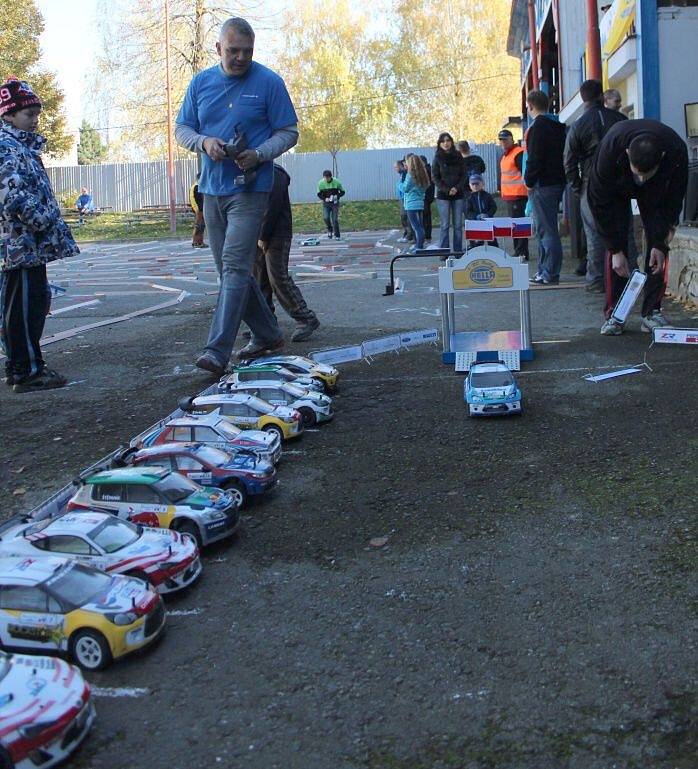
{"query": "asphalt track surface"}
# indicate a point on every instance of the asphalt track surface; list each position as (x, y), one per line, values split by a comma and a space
(534, 602)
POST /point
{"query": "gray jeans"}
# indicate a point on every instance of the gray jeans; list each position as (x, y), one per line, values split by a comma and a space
(596, 248)
(233, 223)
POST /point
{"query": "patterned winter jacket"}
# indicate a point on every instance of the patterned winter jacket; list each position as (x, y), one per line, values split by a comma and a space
(31, 229)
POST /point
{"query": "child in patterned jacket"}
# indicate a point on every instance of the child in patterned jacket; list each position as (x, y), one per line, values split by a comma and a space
(32, 233)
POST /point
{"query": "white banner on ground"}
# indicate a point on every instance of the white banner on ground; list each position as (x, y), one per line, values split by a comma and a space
(611, 374)
(669, 335)
(629, 296)
(372, 347)
(424, 336)
(339, 354)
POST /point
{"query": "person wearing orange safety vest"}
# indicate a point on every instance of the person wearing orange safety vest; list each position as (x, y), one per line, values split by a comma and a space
(513, 189)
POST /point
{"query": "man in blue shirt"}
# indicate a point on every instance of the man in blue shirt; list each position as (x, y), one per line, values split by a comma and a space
(237, 109)
(84, 204)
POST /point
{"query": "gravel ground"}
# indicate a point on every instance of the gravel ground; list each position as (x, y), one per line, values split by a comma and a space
(534, 603)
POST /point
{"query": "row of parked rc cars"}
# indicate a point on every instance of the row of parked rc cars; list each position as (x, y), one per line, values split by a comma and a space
(87, 585)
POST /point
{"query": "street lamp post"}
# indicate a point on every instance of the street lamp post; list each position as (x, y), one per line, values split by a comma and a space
(170, 157)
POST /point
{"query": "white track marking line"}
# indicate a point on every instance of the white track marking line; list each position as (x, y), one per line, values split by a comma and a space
(115, 691)
(74, 307)
(184, 612)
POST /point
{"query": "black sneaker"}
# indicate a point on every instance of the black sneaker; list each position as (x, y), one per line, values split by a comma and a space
(46, 379)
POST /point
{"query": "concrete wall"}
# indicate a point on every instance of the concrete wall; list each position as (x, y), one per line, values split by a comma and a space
(678, 56)
(683, 264)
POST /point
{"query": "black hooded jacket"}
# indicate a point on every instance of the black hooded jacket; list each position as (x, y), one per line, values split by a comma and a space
(612, 186)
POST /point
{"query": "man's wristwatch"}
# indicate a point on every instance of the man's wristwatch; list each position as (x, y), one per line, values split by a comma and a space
(260, 159)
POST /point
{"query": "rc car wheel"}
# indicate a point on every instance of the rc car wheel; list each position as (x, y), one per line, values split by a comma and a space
(90, 650)
(308, 415)
(190, 528)
(274, 429)
(237, 492)
(5, 761)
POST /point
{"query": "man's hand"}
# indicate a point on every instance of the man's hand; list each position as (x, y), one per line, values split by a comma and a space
(657, 261)
(619, 264)
(261, 245)
(247, 159)
(214, 148)
(453, 191)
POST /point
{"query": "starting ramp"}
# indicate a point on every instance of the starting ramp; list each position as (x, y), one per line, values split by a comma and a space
(480, 270)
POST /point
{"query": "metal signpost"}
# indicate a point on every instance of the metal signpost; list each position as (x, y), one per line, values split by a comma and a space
(486, 269)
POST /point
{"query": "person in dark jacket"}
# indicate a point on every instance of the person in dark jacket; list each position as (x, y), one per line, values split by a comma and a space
(271, 264)
(428, 200)
(479, 205)
(34, 234)
(448, 172)
(474, 164)
(583, 139)
(647, 161)
(545, 181)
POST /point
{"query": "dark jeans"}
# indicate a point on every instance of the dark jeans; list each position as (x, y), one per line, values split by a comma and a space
(426, 218)
(271, 272)
(415, 219)
(25, 302)
(546, 204)
(330, 213)
(516, 209)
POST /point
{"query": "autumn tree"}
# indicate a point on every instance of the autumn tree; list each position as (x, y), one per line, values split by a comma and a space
(131, 75)
(336, 75)
(451, 70)
(22, 25)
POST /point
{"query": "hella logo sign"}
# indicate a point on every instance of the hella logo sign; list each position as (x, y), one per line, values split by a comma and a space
(482, 275)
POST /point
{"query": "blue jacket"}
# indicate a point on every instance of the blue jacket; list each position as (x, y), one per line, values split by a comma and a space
(32, 231)
(85, 201)
(413, 196)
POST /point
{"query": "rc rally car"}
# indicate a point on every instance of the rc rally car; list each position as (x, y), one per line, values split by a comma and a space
(490, 388)
(57, 606)
(214, 431)
(45, 711)
(156, 497)
(298, 364)
(241, 475)
(246, 411)
(255, 372)
(167, 560)
(313, 406)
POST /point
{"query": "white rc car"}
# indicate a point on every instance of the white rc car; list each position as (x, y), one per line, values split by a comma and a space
(167, 560)
(46, 711)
